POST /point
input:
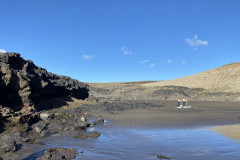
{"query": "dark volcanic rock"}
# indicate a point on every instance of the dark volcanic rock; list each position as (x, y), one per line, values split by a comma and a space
(60, 153)
(8, 147)
(13, 136)
(47, 133)
(163, 157)
(80, 125)
(81, 136)
(40, 126)
(99, 120)
(94, 134)
(22, 82)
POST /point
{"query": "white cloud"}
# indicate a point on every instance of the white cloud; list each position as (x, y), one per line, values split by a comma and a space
(169, 61)
(126, 51)
(194, 42)
(123, 48)
(88, 57)
(2, 51)
(145, 61)
(183, 62)
(152, 65)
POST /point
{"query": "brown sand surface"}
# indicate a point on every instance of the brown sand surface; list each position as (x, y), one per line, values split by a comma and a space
(203, 114)
(230, 131)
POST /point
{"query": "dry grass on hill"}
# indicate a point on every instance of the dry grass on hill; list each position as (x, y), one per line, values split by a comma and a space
(225, 78)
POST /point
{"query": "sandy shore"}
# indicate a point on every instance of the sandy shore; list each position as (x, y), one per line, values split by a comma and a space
(162, 114)
(203, 114)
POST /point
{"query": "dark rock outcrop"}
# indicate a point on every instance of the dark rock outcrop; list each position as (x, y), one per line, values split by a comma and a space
(23, 83)
(85, 136)
(99, 120)
(8, 147)
(163, 157)
(59, 153)
(94, 134)
(81, 136)
(40, 126)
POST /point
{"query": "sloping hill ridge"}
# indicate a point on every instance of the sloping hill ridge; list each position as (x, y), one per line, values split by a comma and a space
(225, 78)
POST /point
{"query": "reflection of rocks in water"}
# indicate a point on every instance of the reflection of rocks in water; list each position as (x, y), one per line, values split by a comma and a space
(59, 153)
(230, 131)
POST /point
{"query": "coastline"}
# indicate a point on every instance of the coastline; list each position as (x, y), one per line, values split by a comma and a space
(147, 115)
(204, 113)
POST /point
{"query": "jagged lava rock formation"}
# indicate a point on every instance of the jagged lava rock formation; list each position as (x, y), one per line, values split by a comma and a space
(23, 83)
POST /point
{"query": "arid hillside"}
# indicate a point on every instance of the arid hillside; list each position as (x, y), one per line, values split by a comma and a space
(217, 84)
(225, 78)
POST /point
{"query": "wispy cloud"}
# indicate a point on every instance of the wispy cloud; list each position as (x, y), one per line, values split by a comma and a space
(195, 42)
(145, 61)
(126, 51)
(183, 62)
(152, 65)
(88, 57)
(2, 51)
(169, 61)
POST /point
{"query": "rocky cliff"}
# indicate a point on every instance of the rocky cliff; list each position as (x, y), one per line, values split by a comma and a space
(23, 83)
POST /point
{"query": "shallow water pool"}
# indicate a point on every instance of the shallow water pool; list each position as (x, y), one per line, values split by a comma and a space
(136, 143)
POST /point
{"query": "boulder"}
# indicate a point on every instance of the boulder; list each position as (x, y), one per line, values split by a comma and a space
(80, 125)
(44, 116)
(59, 153)
(13, 136)
(9, 146)
(47, 133)
(81, 136)
(163, 157)
(94, 134)
(32, 136)
(40, 126)
(99, 120)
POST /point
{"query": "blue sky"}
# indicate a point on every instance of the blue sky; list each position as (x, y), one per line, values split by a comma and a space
(122, 40)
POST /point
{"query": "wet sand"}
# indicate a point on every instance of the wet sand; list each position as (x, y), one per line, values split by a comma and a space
(203, 114)
(230, 131)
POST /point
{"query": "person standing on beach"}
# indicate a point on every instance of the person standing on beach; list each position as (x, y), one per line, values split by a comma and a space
(179, 101)
(184, 102)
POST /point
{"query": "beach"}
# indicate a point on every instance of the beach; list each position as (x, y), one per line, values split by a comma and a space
(166, 114)
(133, 125)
